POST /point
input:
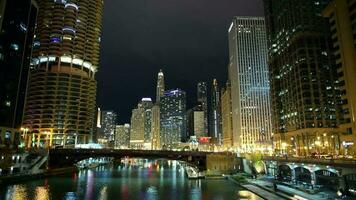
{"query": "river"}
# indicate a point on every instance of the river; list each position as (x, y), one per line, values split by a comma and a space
(132, 179)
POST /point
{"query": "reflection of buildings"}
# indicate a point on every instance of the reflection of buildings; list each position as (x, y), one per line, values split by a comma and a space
(248, 75)
(17, 26)
(60, 101)
(303, 78)
(215, 114)
(137, 133)
(122, 136)
(173, 119)
(202, 95)
(226, 116)
(342, 25)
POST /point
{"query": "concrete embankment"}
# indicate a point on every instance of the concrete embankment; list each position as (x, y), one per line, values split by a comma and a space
(264, 194)
(16, 178)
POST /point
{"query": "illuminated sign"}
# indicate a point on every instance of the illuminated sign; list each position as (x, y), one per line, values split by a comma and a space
(204, 139)
(347, 143)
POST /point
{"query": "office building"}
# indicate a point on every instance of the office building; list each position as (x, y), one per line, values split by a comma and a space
(61, 97)
(342, 22)
(303, 81)
(122, 136)
(17, 26)
(226, 117)
(160, 86)
(195, 122)
(156, 140)
(202, 97)
(215, 114)
(137, 133)
(108, 125)
(248, 75)
(147, 106)
(172, 118)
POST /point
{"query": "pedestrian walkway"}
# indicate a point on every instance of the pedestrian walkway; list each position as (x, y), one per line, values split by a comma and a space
(291, 192)
(263, 193)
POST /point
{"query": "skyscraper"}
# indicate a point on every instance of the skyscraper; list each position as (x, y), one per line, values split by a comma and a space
(147, 106)
(160, 86)
(108, 125)
(248, 74)
(226, 116)
(215, 113)
(137, 133)
(172, 118)
(60, 102)
(342, 23)
(202, 96)
(122, 136)
(195, 122)
(17, 26)
(156, 140)
(303, 79)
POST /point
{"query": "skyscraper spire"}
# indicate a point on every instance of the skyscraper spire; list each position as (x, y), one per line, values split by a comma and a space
(160, 86)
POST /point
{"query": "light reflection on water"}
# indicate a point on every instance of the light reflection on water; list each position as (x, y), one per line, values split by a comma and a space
(134, 179)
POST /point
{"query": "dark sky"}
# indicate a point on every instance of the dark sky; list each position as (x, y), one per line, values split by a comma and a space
(185, 38)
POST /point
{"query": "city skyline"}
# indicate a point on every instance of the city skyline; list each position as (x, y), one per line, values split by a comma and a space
(127, 46)
(260, 107)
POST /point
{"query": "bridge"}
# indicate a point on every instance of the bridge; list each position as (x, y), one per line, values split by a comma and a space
(68, 157)
(313, 172)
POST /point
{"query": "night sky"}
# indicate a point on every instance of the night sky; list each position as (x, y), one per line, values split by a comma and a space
(187, 39)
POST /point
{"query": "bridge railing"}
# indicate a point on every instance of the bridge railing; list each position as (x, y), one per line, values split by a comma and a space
(341, 162)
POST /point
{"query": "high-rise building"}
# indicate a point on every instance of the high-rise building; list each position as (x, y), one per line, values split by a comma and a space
(202, 96)
(172, 118)
(215, 113)
(226, 116)
(60, 101)
(147, 105)
(156, 140)
(122, 136)
(137, 133)
(248, 75)
(108, 125)
(304, 94)
(195, 122)
(342, 22)
(160, 86)
(17, 26)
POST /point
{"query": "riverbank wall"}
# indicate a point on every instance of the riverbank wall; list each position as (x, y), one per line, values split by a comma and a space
(21, 177)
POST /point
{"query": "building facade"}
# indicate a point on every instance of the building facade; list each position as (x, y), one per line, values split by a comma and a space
(226, 117)
(172, 118)
(202, 97)
(122, 136)
(160, 86)
(196, 122)
(248, 74)
(61, 96)
(304, 86)
(137, 133)
(215, 114)
(108, 126)
(17, 26)
(342, 21)
(147, 106)
(156, 139)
